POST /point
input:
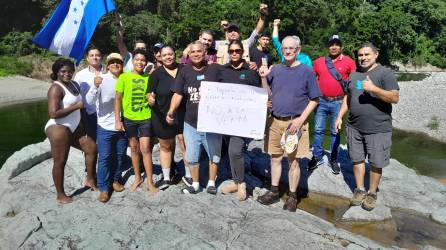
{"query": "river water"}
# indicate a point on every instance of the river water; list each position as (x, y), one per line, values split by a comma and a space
(23, 124)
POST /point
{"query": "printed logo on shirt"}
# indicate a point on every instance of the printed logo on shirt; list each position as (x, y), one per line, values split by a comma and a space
(138, 94)
(200, 77)
(194, 94)
(242, 76)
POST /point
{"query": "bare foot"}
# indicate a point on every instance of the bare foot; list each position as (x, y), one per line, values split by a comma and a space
(64, 199)
(91, 183)
(229, 188)
(135, 185)
(241, 192)
(152, 189)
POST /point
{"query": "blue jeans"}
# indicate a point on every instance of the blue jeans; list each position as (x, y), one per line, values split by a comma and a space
(112, 147)
(194, 140)
(326, 109)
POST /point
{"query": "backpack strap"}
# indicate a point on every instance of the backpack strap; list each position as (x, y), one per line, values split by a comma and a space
(336, 75)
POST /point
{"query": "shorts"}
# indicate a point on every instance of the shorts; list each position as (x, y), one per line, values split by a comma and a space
(375, 146)
(194, 140)
(138, 128)
(274, 131)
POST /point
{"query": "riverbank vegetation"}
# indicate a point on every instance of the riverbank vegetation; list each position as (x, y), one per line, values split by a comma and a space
(405, 31)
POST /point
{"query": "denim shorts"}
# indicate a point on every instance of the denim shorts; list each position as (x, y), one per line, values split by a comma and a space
(194, 140)
(137, 128)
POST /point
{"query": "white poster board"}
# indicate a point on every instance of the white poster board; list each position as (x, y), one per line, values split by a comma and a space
(232, 109)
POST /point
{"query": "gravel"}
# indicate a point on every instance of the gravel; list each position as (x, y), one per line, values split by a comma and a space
(422, 102)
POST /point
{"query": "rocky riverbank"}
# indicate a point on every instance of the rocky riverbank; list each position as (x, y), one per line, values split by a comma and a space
(31, 218)
(422, 107)
(20, 89)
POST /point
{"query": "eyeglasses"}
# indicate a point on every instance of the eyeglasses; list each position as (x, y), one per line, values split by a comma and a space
(237, 51)
(289, 48)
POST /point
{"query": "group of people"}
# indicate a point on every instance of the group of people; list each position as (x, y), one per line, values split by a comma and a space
(131, 102)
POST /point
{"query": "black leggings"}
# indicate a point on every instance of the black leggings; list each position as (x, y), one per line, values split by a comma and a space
(236, 148)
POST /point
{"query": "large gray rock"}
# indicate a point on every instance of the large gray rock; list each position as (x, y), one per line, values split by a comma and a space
(400, 187)
(357, 214)
(30, 218)
(439, 216)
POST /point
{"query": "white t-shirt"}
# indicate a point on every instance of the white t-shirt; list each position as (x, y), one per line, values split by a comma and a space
(103, 98)
(85, 80)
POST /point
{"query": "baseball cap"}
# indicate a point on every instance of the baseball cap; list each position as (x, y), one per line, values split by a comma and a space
(233, 26)
(158, 46)
(290, 141)
(334, 39)
(114, 56)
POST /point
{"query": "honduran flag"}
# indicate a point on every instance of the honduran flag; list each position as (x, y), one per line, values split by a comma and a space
(72, 25)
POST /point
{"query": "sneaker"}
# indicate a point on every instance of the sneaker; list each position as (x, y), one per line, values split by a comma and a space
(358, 197)
(211, 190)
(314, 163)
(269, 198)
(290, 204)
(334, 165)
(369, 202)
(118, 187)
(103, 196)
(162, 184)
(187, 181)
(189, 190)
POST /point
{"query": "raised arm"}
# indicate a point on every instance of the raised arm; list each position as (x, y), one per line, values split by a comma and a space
(120, 36)
(275, 38)
(263, 9)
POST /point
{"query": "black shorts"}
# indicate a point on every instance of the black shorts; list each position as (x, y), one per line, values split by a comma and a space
(161, 129)
(138, 128)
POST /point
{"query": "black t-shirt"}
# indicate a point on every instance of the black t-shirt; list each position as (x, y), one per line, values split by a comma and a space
(188, 84)
(368, 113)
(243, 75)
(256, 56)
(160, 83)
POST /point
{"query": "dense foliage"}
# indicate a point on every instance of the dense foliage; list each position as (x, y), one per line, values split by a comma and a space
(404, 30)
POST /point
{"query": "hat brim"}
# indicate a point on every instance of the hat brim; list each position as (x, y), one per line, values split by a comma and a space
(333, 41)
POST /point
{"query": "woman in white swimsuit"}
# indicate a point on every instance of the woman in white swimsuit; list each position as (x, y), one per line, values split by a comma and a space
(64, 129)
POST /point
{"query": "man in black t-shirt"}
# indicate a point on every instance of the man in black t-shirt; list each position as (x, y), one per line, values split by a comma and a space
(371, 93)
(187, 85)
(260, 51)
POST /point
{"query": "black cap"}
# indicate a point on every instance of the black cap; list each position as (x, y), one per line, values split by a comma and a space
(334, 39)
(158, 46)
(233, 26)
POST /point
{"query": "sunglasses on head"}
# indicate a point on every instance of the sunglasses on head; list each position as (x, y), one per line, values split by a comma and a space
(238, 51)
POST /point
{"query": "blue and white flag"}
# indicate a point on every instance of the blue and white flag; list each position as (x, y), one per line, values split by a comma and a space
(72, 25)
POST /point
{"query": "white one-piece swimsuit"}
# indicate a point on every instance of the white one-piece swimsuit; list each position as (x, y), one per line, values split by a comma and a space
(71, 120)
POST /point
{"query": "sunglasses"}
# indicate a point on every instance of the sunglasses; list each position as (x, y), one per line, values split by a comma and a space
(232, 51)
(115, 62)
